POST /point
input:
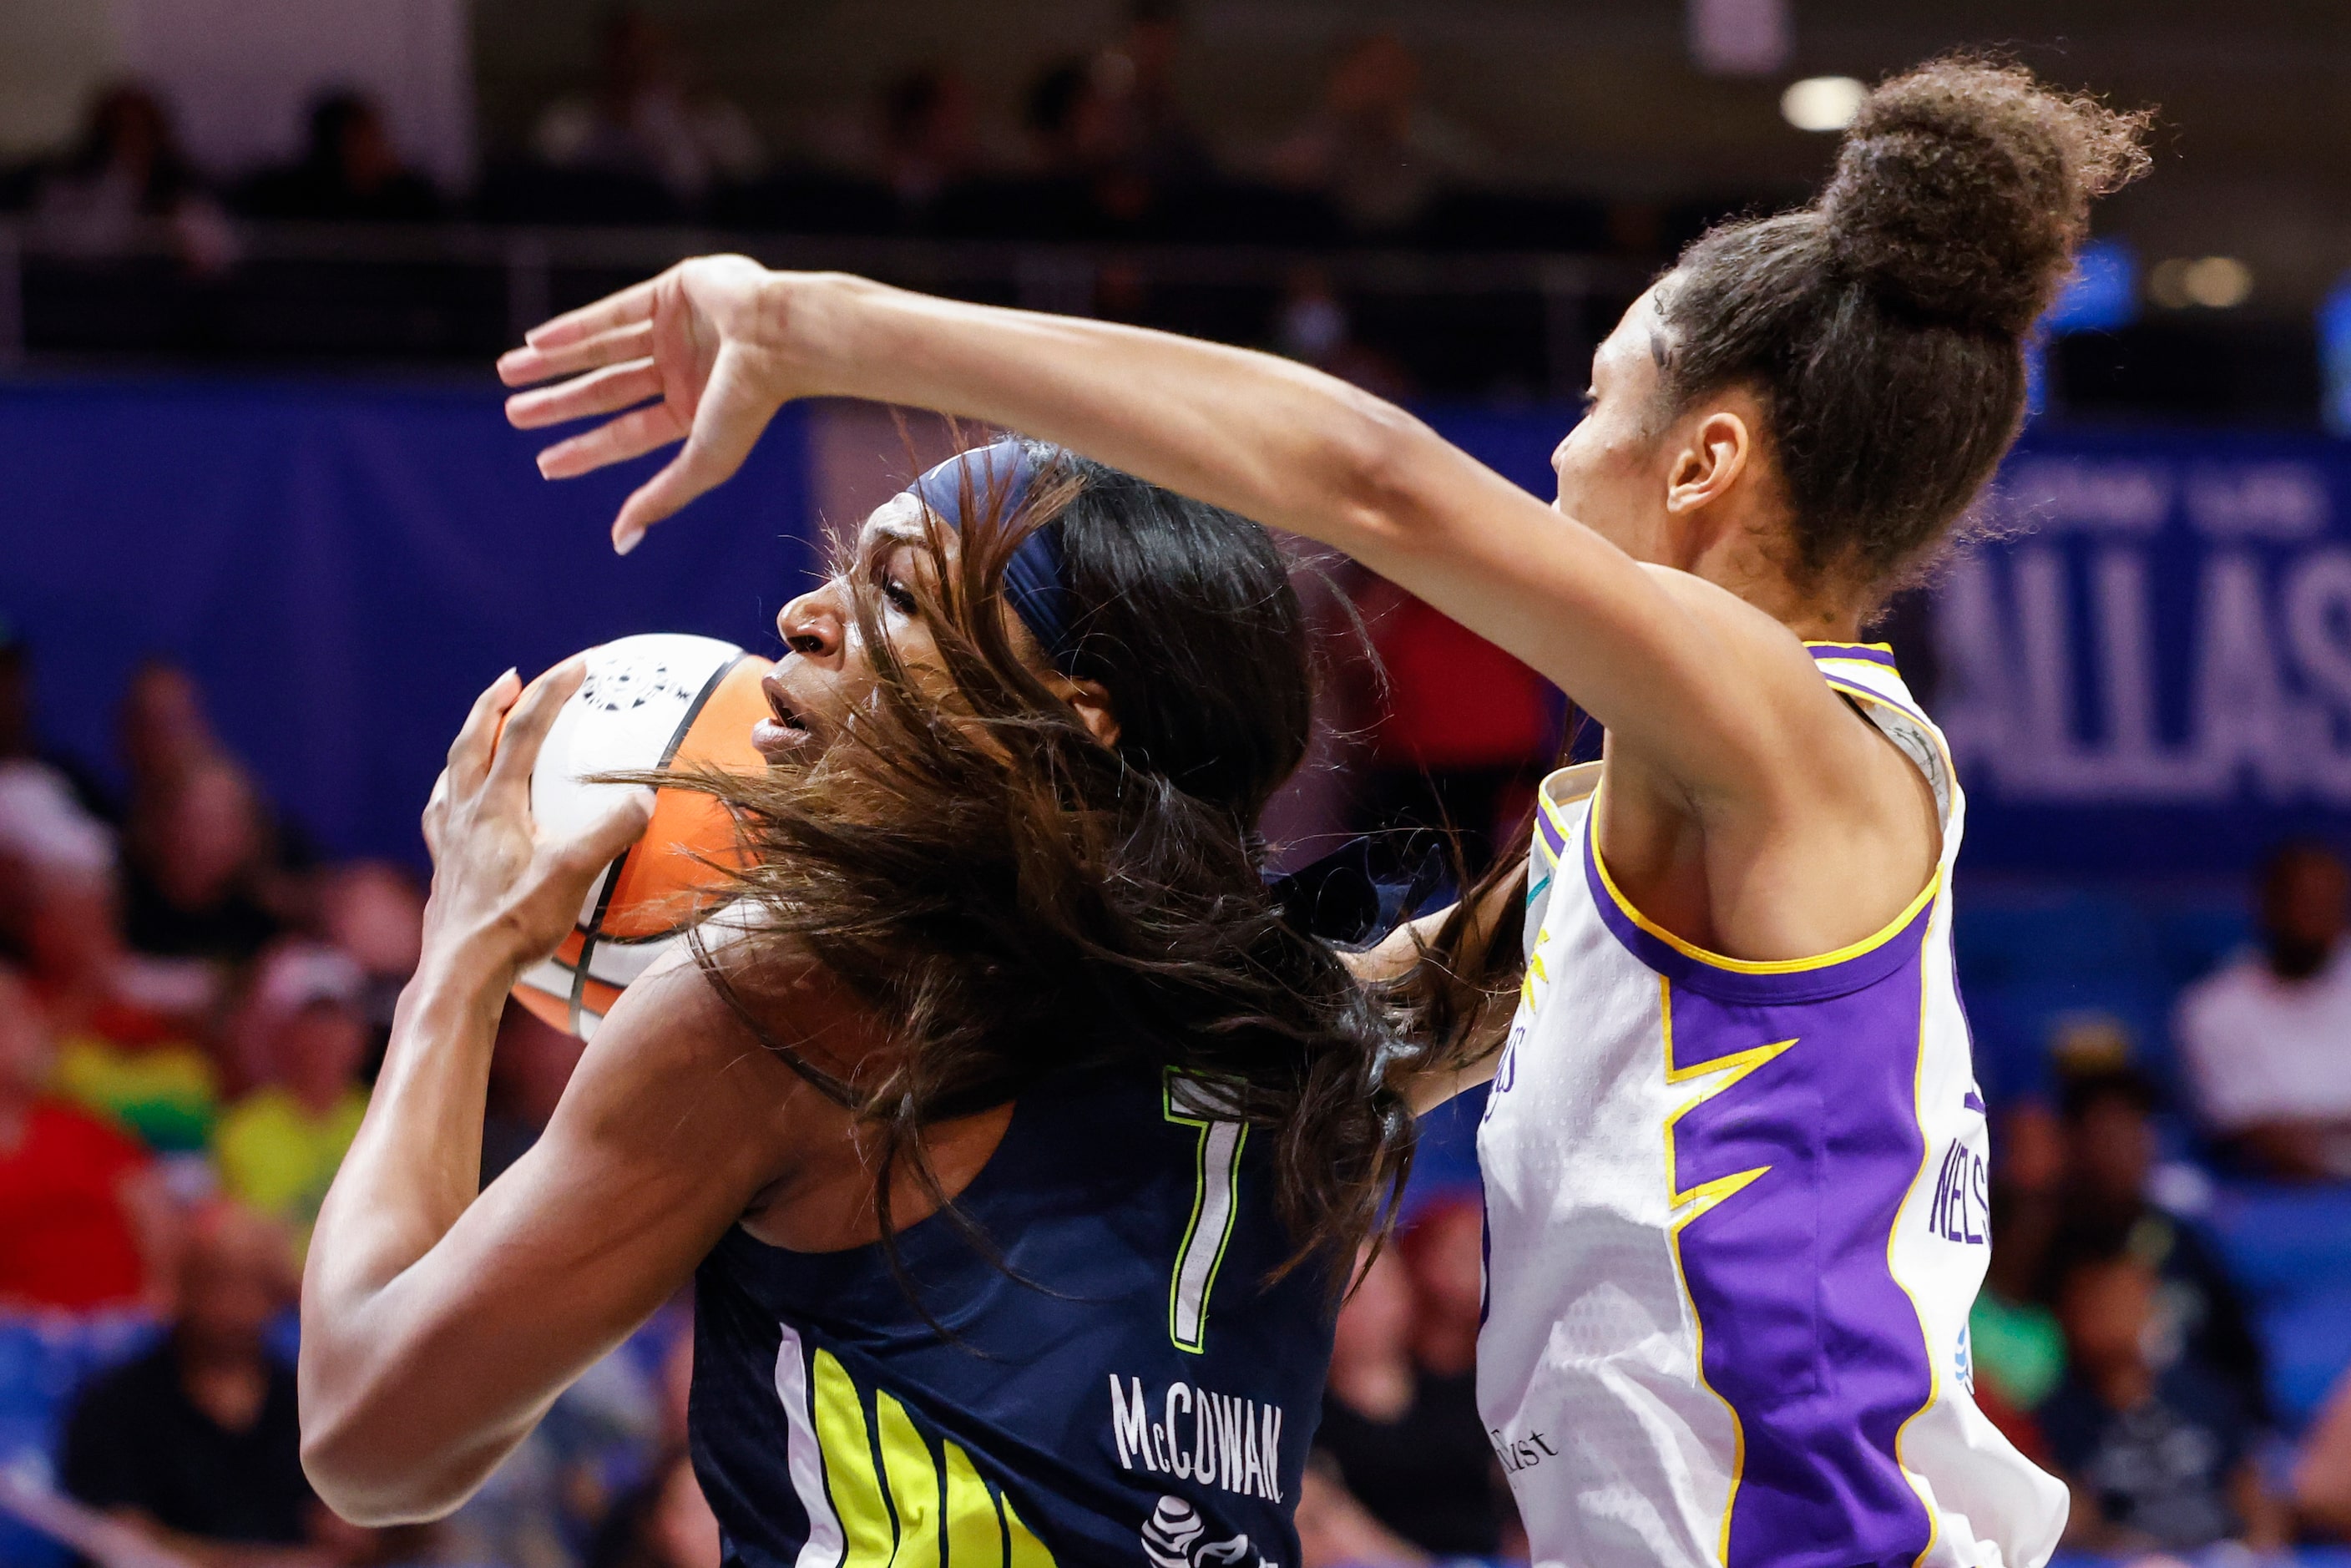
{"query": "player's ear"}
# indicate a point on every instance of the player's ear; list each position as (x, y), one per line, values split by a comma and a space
(1092, 699)
(1713, 457)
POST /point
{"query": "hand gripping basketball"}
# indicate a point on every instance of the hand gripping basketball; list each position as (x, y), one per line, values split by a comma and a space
(504, 893)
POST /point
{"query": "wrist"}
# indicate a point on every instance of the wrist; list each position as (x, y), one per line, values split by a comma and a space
(810, 318)
(464, 978)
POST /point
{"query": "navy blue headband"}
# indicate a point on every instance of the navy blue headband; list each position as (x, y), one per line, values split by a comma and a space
(1036, 579)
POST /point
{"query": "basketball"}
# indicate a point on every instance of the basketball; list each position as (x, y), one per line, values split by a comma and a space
(654, 701)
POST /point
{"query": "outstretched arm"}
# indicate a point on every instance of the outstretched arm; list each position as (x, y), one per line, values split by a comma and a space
(437, 1325)
(1678, 669)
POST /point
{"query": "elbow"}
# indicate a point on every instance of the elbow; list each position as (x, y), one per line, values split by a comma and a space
(369, 1477)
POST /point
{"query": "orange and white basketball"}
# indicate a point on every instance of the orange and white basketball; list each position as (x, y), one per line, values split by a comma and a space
(662, 700)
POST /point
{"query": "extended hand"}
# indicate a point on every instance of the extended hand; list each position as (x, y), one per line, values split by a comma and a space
(504, 894)
(704, 342)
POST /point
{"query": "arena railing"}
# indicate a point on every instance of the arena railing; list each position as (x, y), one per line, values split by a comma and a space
(1539, 307)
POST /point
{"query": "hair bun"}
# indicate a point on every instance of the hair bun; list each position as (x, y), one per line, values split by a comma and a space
(1964, 186)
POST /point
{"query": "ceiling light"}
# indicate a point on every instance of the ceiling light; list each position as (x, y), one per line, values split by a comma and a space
(2214, 282)
(2217, 282)
(1822, 103)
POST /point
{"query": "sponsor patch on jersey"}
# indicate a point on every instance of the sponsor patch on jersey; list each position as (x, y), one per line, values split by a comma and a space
(1175, 1537)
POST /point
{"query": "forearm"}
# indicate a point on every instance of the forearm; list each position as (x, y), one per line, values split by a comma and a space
(1273, 440)
(1293, 448)
(415, 1165)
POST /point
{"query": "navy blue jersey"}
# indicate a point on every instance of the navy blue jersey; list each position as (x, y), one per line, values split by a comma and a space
(1117, 1384)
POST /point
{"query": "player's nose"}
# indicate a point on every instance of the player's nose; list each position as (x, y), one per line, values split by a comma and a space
(815, 624)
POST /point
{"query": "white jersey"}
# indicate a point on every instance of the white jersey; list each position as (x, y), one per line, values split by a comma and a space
(1736, 1220)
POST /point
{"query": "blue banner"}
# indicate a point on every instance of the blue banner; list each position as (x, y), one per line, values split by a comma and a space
(2148, 671)
(343, 567)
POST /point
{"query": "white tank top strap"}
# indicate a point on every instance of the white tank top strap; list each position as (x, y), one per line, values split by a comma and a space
(1865, 672)
(1566, 796)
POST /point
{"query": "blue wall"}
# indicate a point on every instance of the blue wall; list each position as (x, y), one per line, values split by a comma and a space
(344, 567)
(2153, 675)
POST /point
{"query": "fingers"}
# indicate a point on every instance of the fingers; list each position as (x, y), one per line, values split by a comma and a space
(599, 844)
(634, 303)
(727, 424)
(633, 435)
(527, 726)
(613, 388)
(469, 754)
(520, 367)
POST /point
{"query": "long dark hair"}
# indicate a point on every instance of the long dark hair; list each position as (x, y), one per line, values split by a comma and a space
(1012, 898)
(1883, 325)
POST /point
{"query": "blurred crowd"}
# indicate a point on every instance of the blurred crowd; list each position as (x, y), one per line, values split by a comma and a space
(1099, 148)
(193, 1002)
(1103, 147)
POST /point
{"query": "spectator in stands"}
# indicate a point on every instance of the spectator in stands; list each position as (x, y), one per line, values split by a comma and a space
(2110, 1156)
(2322, 1473)
(84, 1219)
(2016, 1348)
(197, 1444)
(374, 910)
(2158, 1459)
(162, 729)
(1084, 145)
(349, 171)
(663, 1521)
(279, 1146)
(1374, 148)
(125, 180)
(199, 863)
(1398, 1438)
(127, 1026)
(666, 1523)
(928, 136)
(1137, 76)
(2267, 1039)
(643, 121)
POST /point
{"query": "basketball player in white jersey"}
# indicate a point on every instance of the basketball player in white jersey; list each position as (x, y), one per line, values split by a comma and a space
(1735, 1154)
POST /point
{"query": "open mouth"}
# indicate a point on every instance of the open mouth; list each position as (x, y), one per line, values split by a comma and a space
(784, 731)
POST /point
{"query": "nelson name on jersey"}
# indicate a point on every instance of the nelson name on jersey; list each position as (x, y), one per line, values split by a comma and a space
(1218, 1439)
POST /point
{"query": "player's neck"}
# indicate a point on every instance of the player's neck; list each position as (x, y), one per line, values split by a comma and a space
(1750, 566)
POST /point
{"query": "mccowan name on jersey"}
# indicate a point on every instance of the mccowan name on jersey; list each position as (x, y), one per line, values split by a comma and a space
(1216, 1438)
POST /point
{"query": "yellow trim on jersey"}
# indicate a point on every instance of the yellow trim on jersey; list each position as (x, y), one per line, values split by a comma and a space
(1869, 944)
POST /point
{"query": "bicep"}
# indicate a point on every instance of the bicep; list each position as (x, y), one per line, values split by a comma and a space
(1681, 670)
(654, 1149)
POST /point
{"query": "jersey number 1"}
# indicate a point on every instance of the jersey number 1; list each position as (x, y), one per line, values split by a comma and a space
(1216, 1200)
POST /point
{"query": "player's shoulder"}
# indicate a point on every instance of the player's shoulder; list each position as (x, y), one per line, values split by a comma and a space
(747, 1034)
(1767, 665)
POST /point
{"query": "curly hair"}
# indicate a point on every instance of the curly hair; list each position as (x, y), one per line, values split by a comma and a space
(1883, 325)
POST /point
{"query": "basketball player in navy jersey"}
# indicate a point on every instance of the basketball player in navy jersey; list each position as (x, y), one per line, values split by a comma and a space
(1008, 1133)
